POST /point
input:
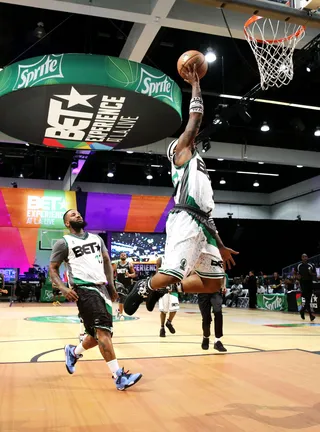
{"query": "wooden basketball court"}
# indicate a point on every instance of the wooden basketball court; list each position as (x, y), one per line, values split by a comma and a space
(268, 380)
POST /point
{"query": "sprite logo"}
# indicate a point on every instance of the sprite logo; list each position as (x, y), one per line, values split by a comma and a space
(155, 85)
(50, 66)
(273, 303)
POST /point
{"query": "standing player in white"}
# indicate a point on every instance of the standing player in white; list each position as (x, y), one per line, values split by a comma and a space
(193, 243)
(169, 303)
(89, 271)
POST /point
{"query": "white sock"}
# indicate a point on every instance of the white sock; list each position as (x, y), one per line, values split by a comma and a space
(79, 349)
(113, 365)
(216, 340)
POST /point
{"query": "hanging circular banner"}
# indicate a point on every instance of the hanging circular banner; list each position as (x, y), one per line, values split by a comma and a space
(87, 102)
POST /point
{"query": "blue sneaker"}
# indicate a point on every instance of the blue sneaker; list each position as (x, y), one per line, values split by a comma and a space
(71, 358)
(125, 379)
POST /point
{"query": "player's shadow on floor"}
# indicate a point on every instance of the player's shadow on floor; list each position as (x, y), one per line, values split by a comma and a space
(299, 417)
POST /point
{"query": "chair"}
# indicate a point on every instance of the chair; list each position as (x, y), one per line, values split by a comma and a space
(243, 301)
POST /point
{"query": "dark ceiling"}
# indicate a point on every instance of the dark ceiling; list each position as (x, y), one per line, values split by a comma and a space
(290, 127)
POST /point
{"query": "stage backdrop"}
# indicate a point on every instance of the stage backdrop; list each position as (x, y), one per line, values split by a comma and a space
(31, 220)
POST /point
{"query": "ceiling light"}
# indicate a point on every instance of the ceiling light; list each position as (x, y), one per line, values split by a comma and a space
(169, 172)
(210, 56)
(217, 120)
(211, 170)
(299, 166)
(111, 169)
(149, 177)
(266, 101)
(156, 166)
(257, 173)
(59, 178)
(317, 131)
(265, 127)
(283, 68)
(308, 68)
(220, 159)
(222, 181)
(260, 163)
(40, 31)
(129, 151)
(256, 184)
(27, 144)
(21, 175)
(206, 145)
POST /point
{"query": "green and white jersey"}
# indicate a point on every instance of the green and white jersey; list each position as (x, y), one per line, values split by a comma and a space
(193, 184)
(83, 258)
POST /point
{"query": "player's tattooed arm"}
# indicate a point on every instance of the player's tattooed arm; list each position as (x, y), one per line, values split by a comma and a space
(185, 145)
(108, 270)
(69, 293)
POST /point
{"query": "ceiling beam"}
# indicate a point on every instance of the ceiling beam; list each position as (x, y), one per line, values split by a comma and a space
(183, 16)
(266, 8)
(142, 35)
(82, 9)
(249, 153)
(231, 151)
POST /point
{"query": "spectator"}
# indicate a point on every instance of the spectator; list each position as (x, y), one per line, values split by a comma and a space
(235, 293)
(260, 287)
(305, 272)
(276, 283)
(251, 284)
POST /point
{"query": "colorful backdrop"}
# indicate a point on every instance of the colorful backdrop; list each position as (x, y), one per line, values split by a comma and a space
(31, 219)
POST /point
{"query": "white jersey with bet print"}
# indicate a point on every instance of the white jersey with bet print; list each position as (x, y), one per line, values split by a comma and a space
(85, 262)
(193, 184)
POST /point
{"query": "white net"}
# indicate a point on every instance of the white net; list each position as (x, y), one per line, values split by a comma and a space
(273, 43)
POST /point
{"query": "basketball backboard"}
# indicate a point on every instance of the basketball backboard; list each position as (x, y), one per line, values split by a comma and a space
(49, 237)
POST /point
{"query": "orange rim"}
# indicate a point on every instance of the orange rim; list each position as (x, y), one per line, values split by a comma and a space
(255, 18)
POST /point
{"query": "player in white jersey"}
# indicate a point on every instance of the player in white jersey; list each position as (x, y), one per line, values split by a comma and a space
(193, 243)
(169, 303)
(91, 285)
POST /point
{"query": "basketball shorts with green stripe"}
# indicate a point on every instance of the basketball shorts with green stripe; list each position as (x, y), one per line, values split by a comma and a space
(95, 308)
(190, 247)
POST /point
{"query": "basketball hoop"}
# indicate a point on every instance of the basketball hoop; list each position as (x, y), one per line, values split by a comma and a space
(273, 55)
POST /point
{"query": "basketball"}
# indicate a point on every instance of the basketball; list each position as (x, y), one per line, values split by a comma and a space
(189, 58)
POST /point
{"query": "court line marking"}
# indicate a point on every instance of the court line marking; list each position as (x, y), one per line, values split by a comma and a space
(153, 335)
(35, 358)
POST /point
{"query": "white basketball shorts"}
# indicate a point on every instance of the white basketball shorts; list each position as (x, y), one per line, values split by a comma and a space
(190, 247)
(169, 303)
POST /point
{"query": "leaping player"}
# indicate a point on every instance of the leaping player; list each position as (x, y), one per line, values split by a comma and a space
(193, 243)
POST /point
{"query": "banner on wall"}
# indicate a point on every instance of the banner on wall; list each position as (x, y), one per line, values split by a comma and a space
(124, 212)
(35, 208)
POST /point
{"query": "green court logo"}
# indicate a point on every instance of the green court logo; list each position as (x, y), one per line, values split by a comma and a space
(50, 66)
(155, 85)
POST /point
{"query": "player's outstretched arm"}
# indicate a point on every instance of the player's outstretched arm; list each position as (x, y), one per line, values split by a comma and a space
(185, 144)
(108, 270)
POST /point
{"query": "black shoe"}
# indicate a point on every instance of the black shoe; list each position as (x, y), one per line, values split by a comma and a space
(153, 298)
(170, 327)
(302, 314)
(137, 295)
(205, 343)
(162, 332)
(312, 317)
(219, 346)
